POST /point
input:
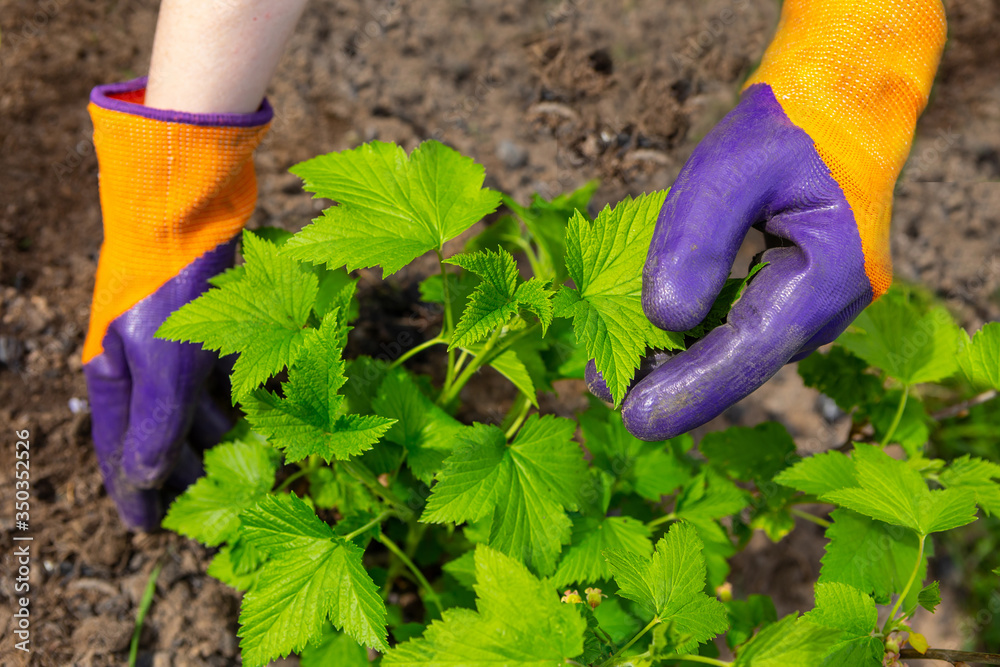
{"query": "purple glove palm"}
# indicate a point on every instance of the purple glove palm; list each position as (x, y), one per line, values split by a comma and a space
(145, 393)
(754, 169)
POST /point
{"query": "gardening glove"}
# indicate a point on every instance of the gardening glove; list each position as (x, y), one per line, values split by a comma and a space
(810, 155)
(176, 189)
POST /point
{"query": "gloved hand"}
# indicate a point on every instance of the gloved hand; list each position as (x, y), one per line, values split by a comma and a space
(810, 154)
(176, 189)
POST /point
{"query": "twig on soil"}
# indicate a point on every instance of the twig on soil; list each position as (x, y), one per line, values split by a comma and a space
(950, 656)
(959, 408)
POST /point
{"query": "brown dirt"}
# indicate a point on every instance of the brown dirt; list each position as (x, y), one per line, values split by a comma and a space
(545, 94)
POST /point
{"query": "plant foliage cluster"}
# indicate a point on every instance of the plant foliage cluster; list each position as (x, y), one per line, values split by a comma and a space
(396, 533)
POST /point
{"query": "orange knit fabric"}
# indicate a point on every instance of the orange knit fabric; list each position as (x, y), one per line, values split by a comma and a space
(855, 74)
(170, 192)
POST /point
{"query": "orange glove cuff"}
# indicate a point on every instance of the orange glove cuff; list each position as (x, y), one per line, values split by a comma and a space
(173, 186)
(855, 75)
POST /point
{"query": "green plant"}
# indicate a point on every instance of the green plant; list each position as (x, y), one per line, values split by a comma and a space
(403, 531)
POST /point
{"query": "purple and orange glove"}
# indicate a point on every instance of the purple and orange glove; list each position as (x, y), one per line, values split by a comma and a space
(176, 189)
(810, 155)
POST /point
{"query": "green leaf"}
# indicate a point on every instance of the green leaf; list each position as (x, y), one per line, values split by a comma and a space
(893, 335)
(498, 296)
(747, 454)
(605, 260)
(976, 475)
(425, 431)
(709, 496)
(311, 576)
(330, 487)
(309, 419)
(237, 564)
(670, 587)
(819, 474)
(260, 315)
(930, 596)
(237, 474)
(527, 487)
(583, 561)
(979, 357)
(891, 491)
(852, 613)
(460, 286)
(546, 222)
(869, 555)
(790, 642)
(334, 648)
(392, 208)
(509, 365)
(745, 616)
(841, 376)
(520, 622)
(463, 569)
(911, 433)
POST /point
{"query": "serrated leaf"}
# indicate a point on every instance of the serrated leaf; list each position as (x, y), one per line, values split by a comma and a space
(497, 297)
(889, 490)
(745, 616)
(911, 346)
(334, 648)
(790, 642)
(583, 561)
(425, 431)
(520, 623)
(605, 260)
(869, 555)
(237, 474)
(709, 496)
(526, 487)
(669, 586)
(979, 357)
(308, 419)
(930, 596)
(747, 454)
(311, 576)
(237, 565)
(841, 376)
(392, 208)
(260, 315)
(820, 473)
(976, 475)
(911, 431)
(853, 615)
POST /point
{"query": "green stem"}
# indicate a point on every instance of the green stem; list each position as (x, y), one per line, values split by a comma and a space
(794, 511)
(374, 522)
(899, 415)
(490, 352)
(361, 473)
(419, 348)
(906, 589)
(697, 658)
(311, 466)
(621, 651)
(449, 322)
(421, 579)
(660, 520)
(522, 412)
(144, 604)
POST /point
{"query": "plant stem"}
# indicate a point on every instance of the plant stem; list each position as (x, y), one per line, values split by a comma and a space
(451, 392)
(449, 323)
(698, 658)
(309, 467)
(659, 520)
(794, 511)
(906, 589)
(140, 616)
(523, 406)
(419, 348)
(950, 656)
(359, 472)
(421, 579)
(377, 520)
(895, 420)
(960, 408)
(621, 651)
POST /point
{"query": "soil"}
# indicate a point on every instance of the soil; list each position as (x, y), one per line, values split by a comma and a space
(546, 95)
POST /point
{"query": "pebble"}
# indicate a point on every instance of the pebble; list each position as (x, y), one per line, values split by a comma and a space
(513, 156)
